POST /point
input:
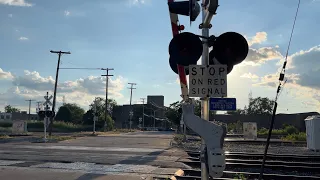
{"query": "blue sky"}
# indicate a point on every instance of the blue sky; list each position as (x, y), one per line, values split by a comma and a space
(132, 36)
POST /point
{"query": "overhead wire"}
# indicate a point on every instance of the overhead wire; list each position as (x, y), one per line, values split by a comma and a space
(279, 89)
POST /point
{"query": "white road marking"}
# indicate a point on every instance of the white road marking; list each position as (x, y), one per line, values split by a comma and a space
(146, 150)
(9, 162)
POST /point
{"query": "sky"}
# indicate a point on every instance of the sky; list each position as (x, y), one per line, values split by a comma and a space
(132, 36)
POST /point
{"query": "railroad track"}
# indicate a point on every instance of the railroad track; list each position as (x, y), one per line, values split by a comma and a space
(241, 164)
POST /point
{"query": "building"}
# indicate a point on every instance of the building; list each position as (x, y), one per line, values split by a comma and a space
(154, 106)
(23, 115)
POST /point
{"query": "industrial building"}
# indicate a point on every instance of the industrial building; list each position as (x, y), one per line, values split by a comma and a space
(23, 115)
(153, 108)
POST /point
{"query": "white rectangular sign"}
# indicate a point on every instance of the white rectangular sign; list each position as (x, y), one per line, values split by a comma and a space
(208, 81)
(18, 126)
(250, 130)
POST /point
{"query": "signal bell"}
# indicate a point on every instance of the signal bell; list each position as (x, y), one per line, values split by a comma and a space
(189, 8)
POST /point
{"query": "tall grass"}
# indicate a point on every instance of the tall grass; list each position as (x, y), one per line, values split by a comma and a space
(285, 131)
(58, 126)
(295, 137)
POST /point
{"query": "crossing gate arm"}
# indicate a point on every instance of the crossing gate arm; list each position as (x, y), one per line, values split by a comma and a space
(181, 69)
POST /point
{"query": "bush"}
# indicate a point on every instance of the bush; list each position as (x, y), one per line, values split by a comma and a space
(291, 130)
(58, 126)
(295, 137)
(5, 124)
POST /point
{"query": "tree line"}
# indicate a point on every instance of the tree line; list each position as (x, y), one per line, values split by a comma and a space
(73, 113)
(258, 106)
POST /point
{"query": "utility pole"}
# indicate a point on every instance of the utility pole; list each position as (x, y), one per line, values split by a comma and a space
(55, 87)
(107, 81)
(131, 88)
(143, 111)
(29, 108)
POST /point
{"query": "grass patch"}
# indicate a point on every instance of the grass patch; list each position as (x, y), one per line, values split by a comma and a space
(58, 126)
(287, 130)
(5, 130)
(5, 124)
(60, 138)
(4, 136)
(295, 137)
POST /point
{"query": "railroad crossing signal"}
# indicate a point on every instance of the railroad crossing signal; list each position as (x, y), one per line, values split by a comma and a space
(47, 102)
(229, 48)
(186, 48)
(189, 8)
(131, 113)
(140, 119)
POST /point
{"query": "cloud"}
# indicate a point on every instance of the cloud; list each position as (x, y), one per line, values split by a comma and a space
(258, 38)
(94, 85)
(23, 38)
(258, 56)
(82, 91)
(5, 75)
(261, 55)
(10, 15)
(302, 74)
(66, 13)
(16, 3)
(137, 1)
(249, 76)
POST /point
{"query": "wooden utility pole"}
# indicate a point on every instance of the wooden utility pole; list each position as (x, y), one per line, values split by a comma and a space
(55, 87)
(30, 100)
(143, 99)
(107, 82)
(131, 114)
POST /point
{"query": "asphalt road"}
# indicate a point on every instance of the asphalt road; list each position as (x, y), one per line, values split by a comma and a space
(139, 155)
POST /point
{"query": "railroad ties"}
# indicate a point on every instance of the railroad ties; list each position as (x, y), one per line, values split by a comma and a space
(241, 165)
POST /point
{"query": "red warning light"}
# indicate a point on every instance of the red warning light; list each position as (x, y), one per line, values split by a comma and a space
(181, 27)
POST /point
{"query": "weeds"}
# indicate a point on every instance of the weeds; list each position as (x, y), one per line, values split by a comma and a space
(295, 137)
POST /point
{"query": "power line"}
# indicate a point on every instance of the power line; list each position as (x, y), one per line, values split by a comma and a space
(84, 68)
(281, 78)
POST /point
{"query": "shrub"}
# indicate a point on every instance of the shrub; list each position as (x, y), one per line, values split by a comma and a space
(58, 126)
(291, 130)
(5, 124)
(295, 137)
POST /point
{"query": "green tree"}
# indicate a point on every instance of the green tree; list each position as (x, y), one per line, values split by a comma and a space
(64, 114)
(10, 109)
(87, 118)
(76, 112)
(101, 105)
(100, 109)
(261, 106)
(173, 112)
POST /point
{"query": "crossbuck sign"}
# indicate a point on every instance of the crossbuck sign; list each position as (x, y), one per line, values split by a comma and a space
(208, 81)
(47, 100)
